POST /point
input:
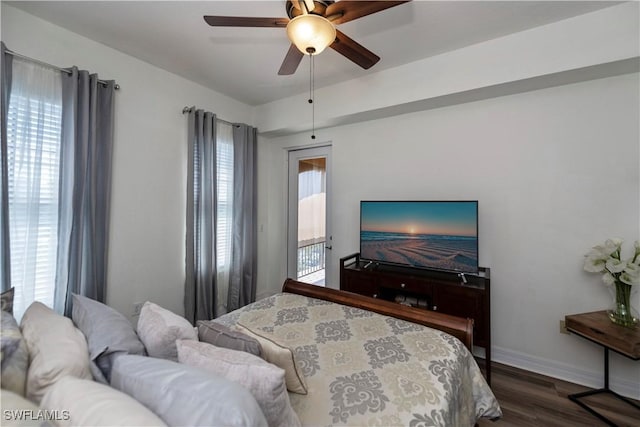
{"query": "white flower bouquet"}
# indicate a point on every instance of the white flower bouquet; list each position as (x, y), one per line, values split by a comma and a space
(619, 274)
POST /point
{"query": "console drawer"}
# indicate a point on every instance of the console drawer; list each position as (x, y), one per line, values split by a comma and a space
(407, 284)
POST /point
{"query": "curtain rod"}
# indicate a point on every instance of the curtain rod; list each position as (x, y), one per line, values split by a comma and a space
(186, 110)
(64, 70)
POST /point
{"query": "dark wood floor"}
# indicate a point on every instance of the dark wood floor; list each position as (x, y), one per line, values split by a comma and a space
(532, 400)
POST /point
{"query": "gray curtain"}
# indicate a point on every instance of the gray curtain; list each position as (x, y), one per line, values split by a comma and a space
(242, 278)
(5, 253)
(200, 283)
(85, 187)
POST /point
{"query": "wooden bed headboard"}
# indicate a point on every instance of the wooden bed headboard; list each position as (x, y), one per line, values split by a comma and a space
(457, 326)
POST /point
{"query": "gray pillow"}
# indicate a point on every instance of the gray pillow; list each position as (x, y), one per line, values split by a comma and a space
(222, 336)
(15, 356)
(6, 300)
(108, 333)
(184, 396)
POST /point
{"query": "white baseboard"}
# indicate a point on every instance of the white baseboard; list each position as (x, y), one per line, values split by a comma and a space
(564, 371)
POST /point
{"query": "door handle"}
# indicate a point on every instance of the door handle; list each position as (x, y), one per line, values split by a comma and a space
(328, 247)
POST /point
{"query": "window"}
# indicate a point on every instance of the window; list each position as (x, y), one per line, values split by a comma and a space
(33, 149)
(224, 190)
(211, 224)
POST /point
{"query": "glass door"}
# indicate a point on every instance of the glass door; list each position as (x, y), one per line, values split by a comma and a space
(309, 237)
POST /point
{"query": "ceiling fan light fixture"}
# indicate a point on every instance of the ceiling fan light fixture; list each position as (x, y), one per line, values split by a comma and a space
(311, 33)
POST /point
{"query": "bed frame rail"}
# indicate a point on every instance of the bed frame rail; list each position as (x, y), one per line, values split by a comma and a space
(457, 326)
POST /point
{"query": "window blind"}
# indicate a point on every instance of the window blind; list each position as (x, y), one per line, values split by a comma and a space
(224, 207)
(33, 149)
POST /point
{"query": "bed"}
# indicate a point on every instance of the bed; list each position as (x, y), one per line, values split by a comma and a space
(369, 362)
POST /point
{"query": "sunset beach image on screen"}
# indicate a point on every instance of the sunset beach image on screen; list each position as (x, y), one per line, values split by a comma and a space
(439, 235)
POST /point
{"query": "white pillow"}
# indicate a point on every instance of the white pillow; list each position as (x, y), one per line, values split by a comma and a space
(263, 380)
(280, 356)
(15, 410)
(88, 403)
(56, 349)
(158, 329)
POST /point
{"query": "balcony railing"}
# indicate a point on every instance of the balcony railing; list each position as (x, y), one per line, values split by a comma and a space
(311, 258)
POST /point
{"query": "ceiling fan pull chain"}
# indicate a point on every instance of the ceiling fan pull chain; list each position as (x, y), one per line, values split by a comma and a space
(310, 78)
(312, 90)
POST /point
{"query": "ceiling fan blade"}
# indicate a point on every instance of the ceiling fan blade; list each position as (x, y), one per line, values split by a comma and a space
(354, 51)
(346, 10)
(245, 21)
(291, 61)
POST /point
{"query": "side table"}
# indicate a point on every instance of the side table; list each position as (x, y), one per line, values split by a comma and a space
(596, 327)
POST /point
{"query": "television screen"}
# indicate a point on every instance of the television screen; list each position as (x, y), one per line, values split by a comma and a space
(440, 235)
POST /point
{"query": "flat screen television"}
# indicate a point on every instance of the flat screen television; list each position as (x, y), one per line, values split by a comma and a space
(438, 235)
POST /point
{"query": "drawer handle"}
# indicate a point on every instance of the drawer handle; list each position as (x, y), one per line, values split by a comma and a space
(375, 295)
(435, 308)
(402, 285)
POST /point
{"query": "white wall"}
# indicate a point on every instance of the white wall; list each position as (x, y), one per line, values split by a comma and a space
(555, 171)
(146, 246)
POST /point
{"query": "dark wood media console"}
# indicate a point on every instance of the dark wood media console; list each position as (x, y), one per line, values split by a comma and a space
(445, 292)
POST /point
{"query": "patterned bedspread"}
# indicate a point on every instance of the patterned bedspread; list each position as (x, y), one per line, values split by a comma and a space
(366, 369)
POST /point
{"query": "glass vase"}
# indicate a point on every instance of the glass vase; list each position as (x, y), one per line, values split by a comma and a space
(622, 312)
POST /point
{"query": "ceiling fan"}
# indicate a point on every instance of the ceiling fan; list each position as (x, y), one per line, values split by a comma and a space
(311, 28)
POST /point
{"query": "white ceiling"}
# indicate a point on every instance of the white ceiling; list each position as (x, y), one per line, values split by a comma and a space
(243, 62)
